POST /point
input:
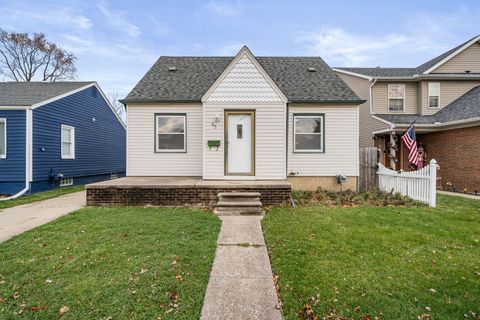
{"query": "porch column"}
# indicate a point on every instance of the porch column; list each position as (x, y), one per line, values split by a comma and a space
(392, 151)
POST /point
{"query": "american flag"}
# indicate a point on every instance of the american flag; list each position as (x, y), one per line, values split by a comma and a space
(410, 140)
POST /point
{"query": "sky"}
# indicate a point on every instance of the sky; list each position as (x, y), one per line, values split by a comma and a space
(116, 42)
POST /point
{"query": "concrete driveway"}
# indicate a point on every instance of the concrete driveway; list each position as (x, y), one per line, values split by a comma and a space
(22, 218)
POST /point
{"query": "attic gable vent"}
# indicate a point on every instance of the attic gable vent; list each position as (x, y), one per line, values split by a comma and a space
(311, 69)
(172, 69)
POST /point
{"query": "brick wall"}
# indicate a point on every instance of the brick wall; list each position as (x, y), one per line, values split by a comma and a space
(458, 155)
(177, 196)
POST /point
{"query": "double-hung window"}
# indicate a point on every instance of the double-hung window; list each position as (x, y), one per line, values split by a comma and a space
(170, 133)
(68, 142)
(308, 133)
(433, 94)
(396, 97)
(3, 138)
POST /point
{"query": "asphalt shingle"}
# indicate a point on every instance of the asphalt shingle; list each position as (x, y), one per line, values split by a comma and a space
(195, 75)
(29, 93)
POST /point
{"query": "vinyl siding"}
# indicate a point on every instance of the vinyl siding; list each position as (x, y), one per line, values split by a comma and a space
(99, 144)
(380, 98)
(245, 86)
(341, 143)
(449, 92)
(469, 59)
(367, 124)
(270, 140)
(12, 169)
(142, 159)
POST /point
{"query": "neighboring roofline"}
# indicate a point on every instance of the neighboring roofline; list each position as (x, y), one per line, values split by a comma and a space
(453, 54)
(130, 101)
(433, 125)
(391, 124)
(63, 95)
(227, 70)
(460, 76)
(355, 74)
(328, 101)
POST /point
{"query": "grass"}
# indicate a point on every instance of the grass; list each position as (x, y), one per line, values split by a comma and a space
(110, 263)
(40, 196)
(386, 262)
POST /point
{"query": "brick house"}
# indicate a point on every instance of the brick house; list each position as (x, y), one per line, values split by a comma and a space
(442, 97)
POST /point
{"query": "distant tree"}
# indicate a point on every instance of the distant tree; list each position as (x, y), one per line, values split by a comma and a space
(25, 58)
(114, 98)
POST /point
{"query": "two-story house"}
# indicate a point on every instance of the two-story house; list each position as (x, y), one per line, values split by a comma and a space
(442, 97)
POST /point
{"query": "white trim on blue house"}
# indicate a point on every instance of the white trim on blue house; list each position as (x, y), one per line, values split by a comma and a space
(4, 154)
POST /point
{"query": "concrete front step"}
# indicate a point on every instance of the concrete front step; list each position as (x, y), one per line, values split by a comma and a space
(244, 203)
(238, 194)
(239, 203)
(238, 212)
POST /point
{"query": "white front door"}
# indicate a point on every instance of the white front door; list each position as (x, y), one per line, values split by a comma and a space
(240, 153)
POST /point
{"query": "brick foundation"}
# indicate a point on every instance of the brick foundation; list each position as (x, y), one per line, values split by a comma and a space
(458, 155)
(178, 195)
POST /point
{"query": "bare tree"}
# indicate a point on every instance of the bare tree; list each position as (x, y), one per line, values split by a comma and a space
(23, 57)
(114, 98)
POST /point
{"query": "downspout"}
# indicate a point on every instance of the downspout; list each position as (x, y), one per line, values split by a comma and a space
(371, 95)
(28, 148)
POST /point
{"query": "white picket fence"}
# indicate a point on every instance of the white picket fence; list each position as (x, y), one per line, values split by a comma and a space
(419, 185)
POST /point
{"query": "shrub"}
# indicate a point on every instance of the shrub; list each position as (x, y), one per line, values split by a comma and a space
(350, 198)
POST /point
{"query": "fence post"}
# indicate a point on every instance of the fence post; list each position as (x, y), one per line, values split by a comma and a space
(433, 183)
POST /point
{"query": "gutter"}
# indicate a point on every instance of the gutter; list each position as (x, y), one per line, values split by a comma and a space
(28, 152)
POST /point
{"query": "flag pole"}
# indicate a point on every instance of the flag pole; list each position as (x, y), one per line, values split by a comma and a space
(408, 128)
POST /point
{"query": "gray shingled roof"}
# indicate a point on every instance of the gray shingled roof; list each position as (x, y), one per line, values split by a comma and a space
(195, 75)
(29, 93)
(464, 108)
(404, 72)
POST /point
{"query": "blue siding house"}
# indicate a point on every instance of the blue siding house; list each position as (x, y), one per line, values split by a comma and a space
(57, 134)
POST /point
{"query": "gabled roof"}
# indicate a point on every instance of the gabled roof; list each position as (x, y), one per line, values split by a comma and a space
(31, 93)
(410, 72)
(465, 108)
(195, 75)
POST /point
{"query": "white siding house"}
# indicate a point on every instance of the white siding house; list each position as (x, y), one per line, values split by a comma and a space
(233, 119)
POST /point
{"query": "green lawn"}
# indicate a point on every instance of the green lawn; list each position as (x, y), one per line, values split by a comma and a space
(110, 263)
(40, 196)
(393, 262)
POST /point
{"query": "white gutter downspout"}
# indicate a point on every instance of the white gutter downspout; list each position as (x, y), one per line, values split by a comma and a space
(28, 153)
(371, 95)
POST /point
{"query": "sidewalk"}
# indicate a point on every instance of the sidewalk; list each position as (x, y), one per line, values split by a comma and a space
(22, 218)
(458, 194)
(241, 282)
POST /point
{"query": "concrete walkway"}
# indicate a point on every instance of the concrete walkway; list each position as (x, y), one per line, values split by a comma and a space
(22, 218)
(241, 282)
(458, 194)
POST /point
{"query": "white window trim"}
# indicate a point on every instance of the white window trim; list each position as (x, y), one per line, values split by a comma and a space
(428, 93)
(404, 97)
(166, 115)
(4, 155)
(72, 141)
(321, 134)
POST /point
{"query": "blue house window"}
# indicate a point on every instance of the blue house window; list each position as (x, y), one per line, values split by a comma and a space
(68, 142)
(3, 138)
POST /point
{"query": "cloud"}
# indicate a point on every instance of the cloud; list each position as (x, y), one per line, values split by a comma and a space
(51, 16)
(117, 19)
(229, 49)
(225, 8)
(421, 38)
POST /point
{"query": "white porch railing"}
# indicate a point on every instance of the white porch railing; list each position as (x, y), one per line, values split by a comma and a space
(419, 185)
